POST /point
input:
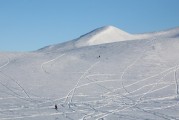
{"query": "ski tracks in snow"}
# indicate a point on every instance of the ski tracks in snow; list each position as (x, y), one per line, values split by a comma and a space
(49, 61)
(112, 102)
(149, 110)
(4, 65)
(81, 77)
(128, 94)
(13, 80)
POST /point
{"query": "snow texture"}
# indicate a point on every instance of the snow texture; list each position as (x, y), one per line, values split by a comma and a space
(106, 74)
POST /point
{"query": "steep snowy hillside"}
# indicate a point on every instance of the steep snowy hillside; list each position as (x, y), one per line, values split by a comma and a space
(94, 79)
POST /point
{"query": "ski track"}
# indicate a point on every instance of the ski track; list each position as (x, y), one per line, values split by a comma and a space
(90, 115)
(164, 107)
(119, 110)
(18, 84)
(10, 78)
(52, 60)
(149, 91)
(158, 108)
(157, 82)
(159, 89)
(153, 76)
(8, 61)
(82, 76)
(126, 108)
(124, 102)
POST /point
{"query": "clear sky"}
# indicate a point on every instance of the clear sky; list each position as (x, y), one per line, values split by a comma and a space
(27, 25)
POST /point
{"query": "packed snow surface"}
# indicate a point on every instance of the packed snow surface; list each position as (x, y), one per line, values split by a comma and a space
(107, 74)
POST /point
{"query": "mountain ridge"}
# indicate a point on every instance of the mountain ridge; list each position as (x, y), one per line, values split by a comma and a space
(110, 34)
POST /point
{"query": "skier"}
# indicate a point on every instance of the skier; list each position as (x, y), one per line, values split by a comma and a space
(56, 107)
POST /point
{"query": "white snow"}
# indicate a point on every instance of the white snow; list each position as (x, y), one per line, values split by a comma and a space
(103, 35)
(109, 34)
(106, 74)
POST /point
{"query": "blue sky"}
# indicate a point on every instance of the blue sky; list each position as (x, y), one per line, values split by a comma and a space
(27, 25)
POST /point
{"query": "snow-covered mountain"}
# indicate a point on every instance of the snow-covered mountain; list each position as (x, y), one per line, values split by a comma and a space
(109, 34)
(106, 74)
(106, 34)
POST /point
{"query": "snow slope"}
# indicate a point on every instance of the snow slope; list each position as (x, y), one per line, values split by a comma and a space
(109, 34)
(127, 78)
(103, 35)
(106, 34)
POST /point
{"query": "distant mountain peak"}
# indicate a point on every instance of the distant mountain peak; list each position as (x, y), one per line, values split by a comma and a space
(109, 27)
(106, 34)
(110, 34)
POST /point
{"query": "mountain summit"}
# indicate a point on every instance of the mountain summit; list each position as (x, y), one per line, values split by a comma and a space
(103, 35)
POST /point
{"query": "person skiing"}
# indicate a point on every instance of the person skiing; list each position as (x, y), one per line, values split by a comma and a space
(56, 107)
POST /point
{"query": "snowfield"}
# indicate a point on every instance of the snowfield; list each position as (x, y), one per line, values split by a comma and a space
(106, 74)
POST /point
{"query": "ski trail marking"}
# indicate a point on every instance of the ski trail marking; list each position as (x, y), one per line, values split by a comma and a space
(82, 76)
(47, 62)
(8, 61)
(141, 80)
(16, 83)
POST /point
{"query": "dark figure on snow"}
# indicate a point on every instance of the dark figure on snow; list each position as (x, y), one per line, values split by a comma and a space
(56, 107)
